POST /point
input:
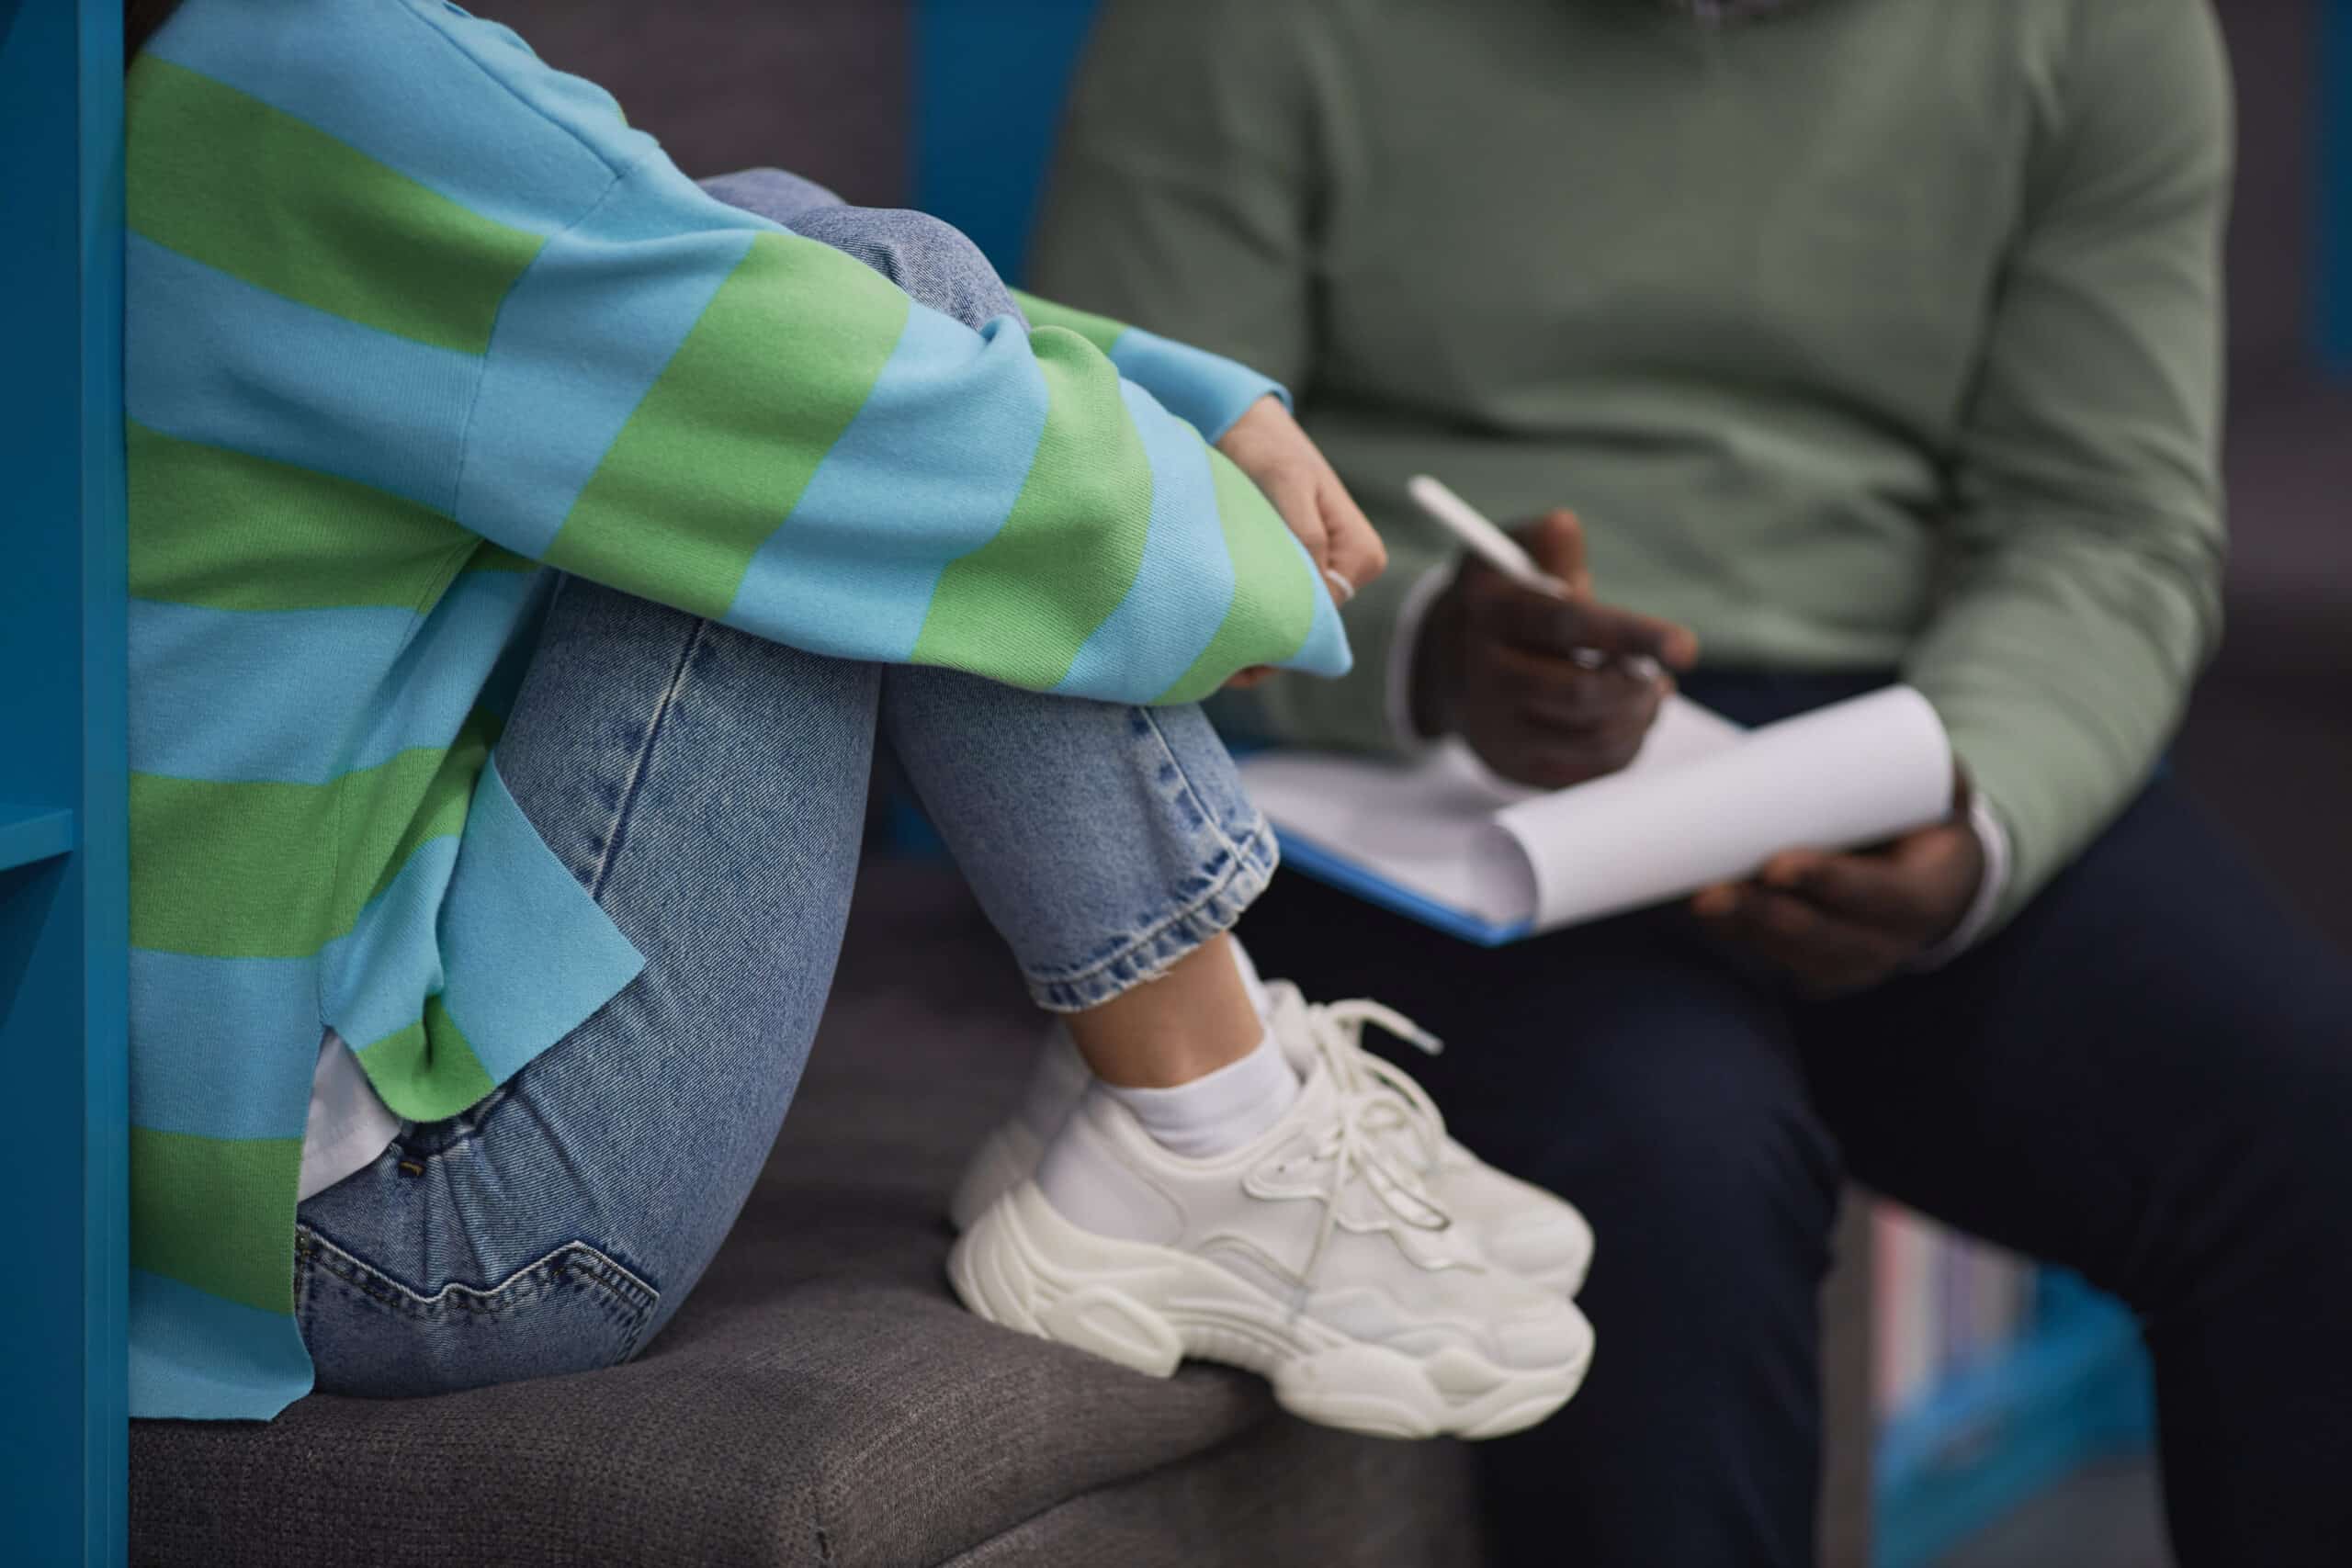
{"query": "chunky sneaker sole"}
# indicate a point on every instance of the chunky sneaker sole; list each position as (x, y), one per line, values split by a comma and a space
(1026, 1267)
(1548, 1244)
(1536, 1235)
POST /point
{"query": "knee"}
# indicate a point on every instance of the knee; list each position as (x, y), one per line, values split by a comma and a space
(929, 259)
(775, 194)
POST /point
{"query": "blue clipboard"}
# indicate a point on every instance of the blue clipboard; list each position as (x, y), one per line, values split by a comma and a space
(1327, 865)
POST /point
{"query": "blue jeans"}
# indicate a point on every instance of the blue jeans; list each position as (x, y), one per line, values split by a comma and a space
(710, 789)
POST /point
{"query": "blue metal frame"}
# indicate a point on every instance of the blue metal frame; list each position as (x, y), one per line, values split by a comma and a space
(64, 811)
(2332, 306)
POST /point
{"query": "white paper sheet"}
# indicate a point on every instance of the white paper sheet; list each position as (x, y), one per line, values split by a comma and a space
(1854, 773)
(1703, 802)
(1430, 828)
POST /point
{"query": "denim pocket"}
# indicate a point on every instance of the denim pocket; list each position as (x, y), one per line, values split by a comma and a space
(573, 1309)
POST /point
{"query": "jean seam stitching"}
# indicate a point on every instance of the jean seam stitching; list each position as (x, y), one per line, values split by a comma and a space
(472, 1124)
(640, 764)
(1168, 751)
(1241, 865)
(1235, 852)
(616, 1280)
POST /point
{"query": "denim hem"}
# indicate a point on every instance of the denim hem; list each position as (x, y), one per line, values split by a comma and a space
(1237, 872)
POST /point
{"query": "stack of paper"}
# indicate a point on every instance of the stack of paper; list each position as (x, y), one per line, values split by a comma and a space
(1448, 843)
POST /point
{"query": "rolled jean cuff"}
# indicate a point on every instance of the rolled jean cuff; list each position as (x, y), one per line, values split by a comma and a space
(1208, 904)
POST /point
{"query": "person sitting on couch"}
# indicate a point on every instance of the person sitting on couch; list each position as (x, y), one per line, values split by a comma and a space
(527, 546)
(1872, 340)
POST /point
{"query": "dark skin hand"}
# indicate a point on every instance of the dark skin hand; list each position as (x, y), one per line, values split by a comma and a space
(1841, 923)
(1497, 666)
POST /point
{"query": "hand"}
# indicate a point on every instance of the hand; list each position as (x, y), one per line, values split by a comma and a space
(1497, 666)
(1840, 923)
(1268, 445)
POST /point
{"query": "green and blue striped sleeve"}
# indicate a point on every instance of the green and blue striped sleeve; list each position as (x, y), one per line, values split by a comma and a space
(1205, 391)
(688, 403)
(574, 352)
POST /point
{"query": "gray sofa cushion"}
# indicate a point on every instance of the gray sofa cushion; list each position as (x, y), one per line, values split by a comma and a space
(820, 1398)
(1281, 1492)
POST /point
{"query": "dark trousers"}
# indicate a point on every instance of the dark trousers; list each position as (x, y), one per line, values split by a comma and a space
(2146, 1077)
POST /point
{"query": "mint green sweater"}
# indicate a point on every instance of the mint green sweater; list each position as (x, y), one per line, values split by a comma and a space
(1883, 334)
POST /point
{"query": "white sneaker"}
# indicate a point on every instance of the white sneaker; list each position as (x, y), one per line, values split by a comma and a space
(1523, 1227)
(1314, 1255)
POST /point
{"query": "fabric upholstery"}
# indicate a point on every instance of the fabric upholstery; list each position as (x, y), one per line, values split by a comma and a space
(1280, 1494)
(821, 1399)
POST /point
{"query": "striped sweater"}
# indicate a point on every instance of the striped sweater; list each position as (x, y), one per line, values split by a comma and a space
(413, 319)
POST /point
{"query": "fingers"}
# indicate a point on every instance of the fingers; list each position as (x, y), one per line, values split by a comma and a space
(1267, 444)
(1912, 888)
(1563, 692)
(1551, 723)
(1825, 953)
(1256, 676)
(1355, 547)
(1543, 715)
(1838, 922)
(1295, 495)
(1557, 541)
(1552, 691)
(1861, 887)
(1537, 621)
(1540, 764)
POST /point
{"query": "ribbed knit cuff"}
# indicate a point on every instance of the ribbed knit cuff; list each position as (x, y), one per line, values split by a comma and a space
(1205, 391)
(1403, 648)
(1993, 839)
(1368, 709)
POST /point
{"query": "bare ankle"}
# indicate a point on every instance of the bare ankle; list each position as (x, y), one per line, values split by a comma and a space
(1183, 1025)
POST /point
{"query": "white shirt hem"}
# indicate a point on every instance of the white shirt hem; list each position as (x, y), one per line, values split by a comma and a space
(350, 1125)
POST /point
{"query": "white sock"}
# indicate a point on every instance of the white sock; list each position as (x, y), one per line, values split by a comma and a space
(1221, 1110)
(1061, 1073)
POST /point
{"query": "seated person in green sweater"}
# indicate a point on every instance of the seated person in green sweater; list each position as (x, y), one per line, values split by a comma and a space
(528, 547)
(1867, 340)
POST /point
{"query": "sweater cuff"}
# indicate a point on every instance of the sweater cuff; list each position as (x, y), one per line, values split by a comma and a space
(1421, 595)
(1993, 841)
(1205, 391)
(1370, 708)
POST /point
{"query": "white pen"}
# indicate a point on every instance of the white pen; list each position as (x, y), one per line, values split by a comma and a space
(1477, 534)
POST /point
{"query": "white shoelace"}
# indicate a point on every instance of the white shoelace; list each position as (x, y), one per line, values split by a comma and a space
(1408, 1107)
(1374, 1100)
